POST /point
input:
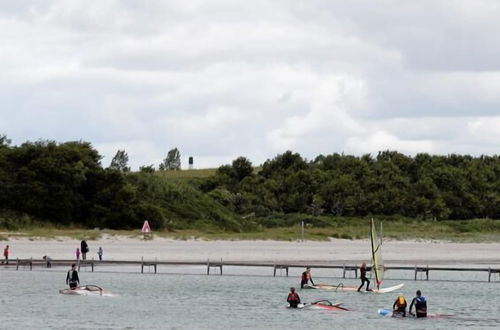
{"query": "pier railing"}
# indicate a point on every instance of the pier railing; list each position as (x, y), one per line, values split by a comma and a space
(219, 265)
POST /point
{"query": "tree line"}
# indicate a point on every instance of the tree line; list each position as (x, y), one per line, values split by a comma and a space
(390, 183)
(66, 184)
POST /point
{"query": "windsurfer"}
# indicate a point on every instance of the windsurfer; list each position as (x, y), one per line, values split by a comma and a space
(399, 306)
(306, 277)
(362, 271)
(293, 298)
(72, 277)
(420, 305)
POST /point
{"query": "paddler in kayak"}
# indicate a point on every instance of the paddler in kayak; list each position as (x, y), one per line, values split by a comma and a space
(362, 277)
(293, 298)
(399, 306)
(72, 277)
(306, 277)
(420, 305)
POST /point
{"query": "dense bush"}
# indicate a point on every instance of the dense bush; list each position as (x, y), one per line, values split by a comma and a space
(66, 184)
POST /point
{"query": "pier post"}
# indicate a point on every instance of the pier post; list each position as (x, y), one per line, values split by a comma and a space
(208, 267)
(489, 274)
(17, 264)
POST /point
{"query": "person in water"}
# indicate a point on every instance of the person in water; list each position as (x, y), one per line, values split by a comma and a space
(362, 270)
(420, 305)
(293, 298)
(72, 278)
(399, 306)
(306, 277)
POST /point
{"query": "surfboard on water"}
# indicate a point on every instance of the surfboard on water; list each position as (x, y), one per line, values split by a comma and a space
(387, 312)
(324, 287)
(328, 306)
(321, 304)
(86, 290)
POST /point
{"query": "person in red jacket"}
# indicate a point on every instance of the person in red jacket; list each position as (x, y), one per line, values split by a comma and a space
(293, 298)
(6, 254)
(306, 277)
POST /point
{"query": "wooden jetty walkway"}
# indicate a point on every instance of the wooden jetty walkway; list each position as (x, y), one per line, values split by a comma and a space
(219, 265)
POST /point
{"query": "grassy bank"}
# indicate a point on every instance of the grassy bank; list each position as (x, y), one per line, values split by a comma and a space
(478, 230)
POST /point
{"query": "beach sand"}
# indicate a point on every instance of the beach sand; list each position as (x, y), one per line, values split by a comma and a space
(336, 251)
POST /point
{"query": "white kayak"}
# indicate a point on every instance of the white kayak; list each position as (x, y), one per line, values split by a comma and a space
(342, 288)
(86, 290)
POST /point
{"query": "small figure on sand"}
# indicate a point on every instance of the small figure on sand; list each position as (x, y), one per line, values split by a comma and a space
(6, 255)
(100, 252)
(84, 247)
(306, 277)
(77, 254)
(399, 306)
(72, 277)
(420, 305)
(48, 260)
(293, 298)
(363, 278)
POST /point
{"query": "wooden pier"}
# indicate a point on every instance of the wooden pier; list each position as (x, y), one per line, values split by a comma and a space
(219, 265)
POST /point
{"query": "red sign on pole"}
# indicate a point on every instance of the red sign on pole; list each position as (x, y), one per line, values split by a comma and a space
(145, 227)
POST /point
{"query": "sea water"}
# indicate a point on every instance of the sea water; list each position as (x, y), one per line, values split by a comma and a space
(186, 298)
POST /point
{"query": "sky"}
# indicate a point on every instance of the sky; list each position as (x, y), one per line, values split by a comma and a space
(221, 79)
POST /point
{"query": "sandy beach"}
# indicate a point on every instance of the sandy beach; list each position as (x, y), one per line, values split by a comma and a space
(333, 252)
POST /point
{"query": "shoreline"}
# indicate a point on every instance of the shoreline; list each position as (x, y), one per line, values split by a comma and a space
(334, 251)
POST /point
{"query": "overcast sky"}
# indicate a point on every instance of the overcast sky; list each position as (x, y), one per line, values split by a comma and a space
(221, 79)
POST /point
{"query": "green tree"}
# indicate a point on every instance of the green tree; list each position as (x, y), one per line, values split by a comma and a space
(172, 161)
(242, 167)
(147, 168)
(120, 162)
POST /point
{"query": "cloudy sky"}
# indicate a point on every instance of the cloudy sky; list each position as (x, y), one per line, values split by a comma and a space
(220, 79)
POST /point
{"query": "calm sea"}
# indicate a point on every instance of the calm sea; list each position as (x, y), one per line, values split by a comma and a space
(184, 298)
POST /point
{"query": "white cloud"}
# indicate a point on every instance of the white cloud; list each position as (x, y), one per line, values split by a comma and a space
(223, 78)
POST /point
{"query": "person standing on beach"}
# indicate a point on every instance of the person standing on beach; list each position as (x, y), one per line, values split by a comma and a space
(362, 271)
(72, 277)
(306, 277)
(77, 254)
(6, 255)
(84, 247)
(100, 252)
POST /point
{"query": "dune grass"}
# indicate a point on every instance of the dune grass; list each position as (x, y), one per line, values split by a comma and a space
(478, 230)
(194, 173)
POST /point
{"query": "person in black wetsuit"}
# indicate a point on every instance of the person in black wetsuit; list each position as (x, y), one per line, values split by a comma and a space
(293, 298)
(306, 277)
(72, 277)
(420, 305)
(362, 271)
